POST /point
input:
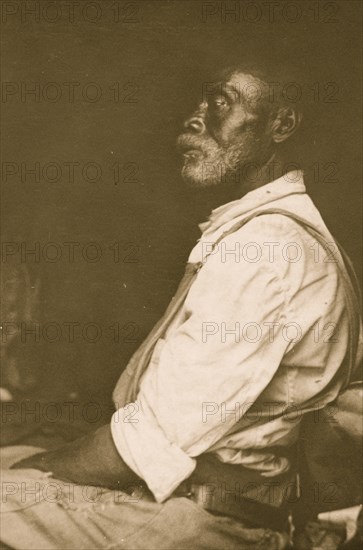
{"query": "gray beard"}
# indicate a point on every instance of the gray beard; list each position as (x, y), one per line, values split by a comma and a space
(216, 166)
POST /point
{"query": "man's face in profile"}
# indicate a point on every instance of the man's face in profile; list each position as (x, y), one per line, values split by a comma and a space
(230, 129)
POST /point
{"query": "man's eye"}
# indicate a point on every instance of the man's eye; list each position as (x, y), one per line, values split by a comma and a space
(220, 102)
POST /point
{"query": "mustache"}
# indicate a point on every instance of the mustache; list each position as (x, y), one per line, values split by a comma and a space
(186, 142)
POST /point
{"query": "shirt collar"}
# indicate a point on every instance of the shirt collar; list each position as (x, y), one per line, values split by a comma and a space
(290, 183)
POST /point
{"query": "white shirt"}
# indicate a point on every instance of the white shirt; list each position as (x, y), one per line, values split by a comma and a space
(262, 331)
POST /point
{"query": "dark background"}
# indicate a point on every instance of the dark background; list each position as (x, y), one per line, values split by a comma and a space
(163, 50)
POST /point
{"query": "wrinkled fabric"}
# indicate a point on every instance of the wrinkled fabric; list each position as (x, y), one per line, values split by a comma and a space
(39, 512)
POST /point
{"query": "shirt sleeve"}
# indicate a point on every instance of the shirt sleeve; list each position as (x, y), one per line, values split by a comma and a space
(220, 355)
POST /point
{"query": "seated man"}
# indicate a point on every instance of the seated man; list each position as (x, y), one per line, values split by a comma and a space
(199, 453)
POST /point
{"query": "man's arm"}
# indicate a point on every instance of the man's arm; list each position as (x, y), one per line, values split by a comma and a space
(90, 460)
(198, 375)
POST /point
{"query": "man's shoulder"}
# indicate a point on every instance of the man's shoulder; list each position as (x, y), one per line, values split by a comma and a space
(279, 242)
(268, 225)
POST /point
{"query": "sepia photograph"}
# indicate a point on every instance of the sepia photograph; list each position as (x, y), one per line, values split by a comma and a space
(181, 274)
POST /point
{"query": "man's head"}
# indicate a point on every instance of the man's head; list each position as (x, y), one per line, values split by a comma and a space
(240, 123)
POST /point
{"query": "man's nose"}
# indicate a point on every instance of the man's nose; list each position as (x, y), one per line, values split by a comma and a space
(195, 123)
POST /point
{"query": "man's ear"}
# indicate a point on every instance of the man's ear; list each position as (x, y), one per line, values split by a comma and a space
(285, 124)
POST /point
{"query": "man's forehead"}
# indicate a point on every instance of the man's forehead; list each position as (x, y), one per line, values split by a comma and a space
(241, 84)
(242, 81)
(239, 78)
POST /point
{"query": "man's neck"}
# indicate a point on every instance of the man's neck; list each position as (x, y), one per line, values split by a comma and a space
(252, 176)
(255, 176)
